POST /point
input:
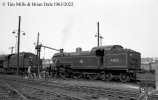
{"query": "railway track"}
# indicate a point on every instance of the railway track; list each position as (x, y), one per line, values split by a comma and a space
(87, 92)
(32, 90)
(40, 93)
(9, 93)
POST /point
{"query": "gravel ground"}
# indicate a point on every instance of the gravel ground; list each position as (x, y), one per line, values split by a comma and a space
(7, 94)
(90, 93)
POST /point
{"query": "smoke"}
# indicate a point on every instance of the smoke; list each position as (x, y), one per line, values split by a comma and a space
(2, 53)
(66, 31)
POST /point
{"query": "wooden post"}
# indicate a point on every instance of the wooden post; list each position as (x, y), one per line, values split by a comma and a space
(156, 80)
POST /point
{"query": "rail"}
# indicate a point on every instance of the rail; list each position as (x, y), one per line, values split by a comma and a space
(35, 86)
(110, 92)
(6, 85)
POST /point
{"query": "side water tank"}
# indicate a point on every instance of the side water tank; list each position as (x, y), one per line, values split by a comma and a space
(78, 49)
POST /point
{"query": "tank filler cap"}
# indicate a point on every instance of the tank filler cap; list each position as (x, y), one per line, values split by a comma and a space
(78, 49)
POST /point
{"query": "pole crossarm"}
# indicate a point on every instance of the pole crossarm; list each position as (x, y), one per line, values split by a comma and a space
(38, 47)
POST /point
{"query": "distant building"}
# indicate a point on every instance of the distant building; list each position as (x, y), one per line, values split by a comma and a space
(147, 60)
(156, 59)
(46, 62)
(149, 63)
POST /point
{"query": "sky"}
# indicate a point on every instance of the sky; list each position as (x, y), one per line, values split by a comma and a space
(129, 23)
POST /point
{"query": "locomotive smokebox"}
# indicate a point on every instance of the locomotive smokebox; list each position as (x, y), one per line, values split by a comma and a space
(61, 50)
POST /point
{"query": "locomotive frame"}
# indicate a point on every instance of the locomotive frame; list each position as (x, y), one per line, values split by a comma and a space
(112, 62)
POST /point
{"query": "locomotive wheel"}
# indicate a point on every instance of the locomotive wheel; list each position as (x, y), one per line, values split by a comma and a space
(62, 75)
(93, 76)
(106, 77)
(54, 74)
(124, 77)
(76, 76)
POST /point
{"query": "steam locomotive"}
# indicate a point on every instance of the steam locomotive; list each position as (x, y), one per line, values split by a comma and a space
(103, 62)
(8, 63)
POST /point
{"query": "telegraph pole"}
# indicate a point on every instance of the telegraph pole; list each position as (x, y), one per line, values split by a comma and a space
(99, 37)
(98, 33)
(18, 43)
(18, 49)
(11, 49)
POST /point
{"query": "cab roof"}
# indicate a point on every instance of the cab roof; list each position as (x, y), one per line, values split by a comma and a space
(107, 47)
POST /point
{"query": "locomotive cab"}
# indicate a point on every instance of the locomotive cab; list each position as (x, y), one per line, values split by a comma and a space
(117, 62)
(100, 52)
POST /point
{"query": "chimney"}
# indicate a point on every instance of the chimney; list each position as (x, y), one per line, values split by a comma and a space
(61, 50)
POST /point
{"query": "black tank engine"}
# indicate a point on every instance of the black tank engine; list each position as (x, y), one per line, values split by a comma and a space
(103, 62)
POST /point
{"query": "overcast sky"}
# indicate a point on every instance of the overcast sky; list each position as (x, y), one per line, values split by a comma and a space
(130, 23)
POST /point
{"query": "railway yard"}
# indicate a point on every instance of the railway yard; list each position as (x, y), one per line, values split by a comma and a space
(20, 88)
(103, 73)
(80, 71)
